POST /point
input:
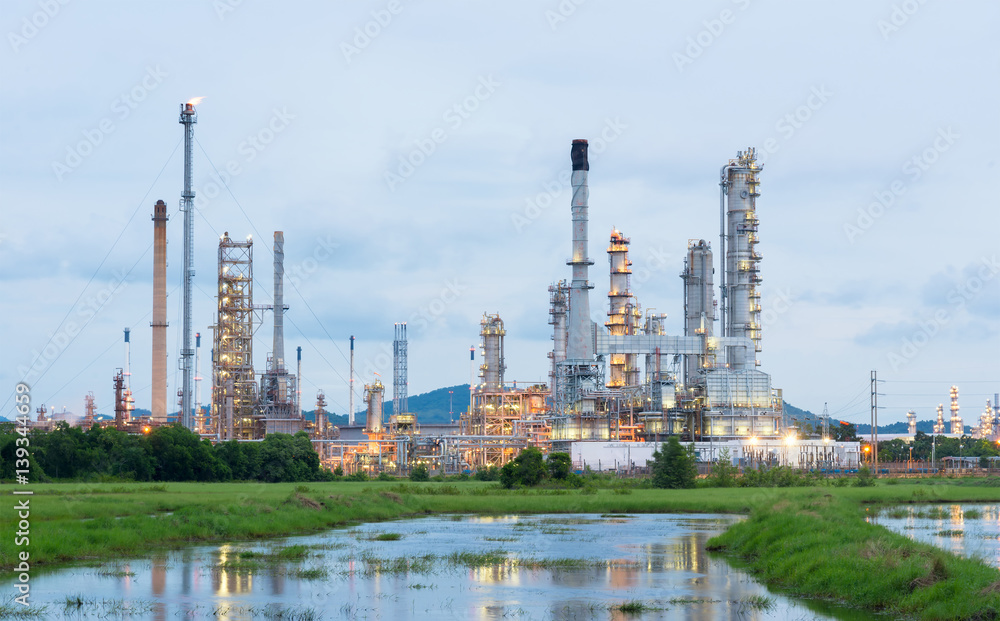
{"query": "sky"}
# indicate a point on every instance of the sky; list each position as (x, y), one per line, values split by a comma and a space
(416, 157)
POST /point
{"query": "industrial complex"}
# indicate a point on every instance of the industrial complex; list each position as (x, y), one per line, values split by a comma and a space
(616, 389)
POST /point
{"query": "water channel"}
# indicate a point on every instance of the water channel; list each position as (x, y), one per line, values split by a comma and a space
(442, 567)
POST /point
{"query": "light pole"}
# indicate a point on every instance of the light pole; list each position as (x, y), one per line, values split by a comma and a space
(961, 464)
(451, 404)
(909, 466)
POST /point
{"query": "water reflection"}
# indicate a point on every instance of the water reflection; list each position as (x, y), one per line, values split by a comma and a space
(558, 567)
(964, 529)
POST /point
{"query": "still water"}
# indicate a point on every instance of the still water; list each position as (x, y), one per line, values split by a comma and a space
(442, 567)
(970, 530)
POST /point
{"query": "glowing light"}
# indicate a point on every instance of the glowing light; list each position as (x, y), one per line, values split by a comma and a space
(194, 101)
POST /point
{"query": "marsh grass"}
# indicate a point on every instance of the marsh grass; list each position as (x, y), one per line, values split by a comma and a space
(114, 571)
(313, 573)
(755, 602)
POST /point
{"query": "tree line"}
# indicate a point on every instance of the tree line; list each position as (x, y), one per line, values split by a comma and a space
(169, 453)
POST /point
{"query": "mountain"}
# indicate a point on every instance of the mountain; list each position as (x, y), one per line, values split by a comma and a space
(430, 407)
(794, 415)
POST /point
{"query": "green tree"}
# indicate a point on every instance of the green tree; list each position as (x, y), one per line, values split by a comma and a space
(420, 473)
(844, 432)
(527, 469)
(674, 466)
(559, 465)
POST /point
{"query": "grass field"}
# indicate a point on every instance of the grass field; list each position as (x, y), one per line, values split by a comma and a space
(812, 541)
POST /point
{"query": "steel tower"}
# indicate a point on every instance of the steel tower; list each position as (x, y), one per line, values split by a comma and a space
(400, 403)
(188, 118)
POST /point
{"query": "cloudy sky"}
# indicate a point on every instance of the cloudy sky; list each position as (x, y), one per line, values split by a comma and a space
(415, 156)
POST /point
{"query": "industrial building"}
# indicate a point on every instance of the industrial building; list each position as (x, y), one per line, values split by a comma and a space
(619, 389)
(623, 382)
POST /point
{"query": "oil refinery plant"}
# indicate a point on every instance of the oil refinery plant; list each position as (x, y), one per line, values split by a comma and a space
(616, 389)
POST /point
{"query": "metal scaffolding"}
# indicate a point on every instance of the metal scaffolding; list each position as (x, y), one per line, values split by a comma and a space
(234, 389)
(400, 403)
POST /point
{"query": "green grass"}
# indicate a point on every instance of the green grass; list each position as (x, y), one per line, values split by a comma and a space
(813, 541)
(817, 544)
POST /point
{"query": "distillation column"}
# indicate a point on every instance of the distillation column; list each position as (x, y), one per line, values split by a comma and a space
(957, 428)
(558, 312)
(623, 312)
(493, 367)
(741, 297)
(699, 307)
(374, 393)
(159, 323)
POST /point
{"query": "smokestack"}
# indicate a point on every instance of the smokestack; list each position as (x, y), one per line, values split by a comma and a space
(128, 362)
(198, 423)
(278, 347)
(188, 117)
(159, 323)
(298, 382)
(350, 415)
(580, 341)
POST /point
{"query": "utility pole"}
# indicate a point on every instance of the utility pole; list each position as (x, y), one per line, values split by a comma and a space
(874, 418)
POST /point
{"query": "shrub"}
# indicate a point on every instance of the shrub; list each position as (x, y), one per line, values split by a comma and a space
(864, 478)
(420, 473)
(359, 476)
(488, 474)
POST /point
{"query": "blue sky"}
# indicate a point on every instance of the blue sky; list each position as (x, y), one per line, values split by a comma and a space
(413, 154)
